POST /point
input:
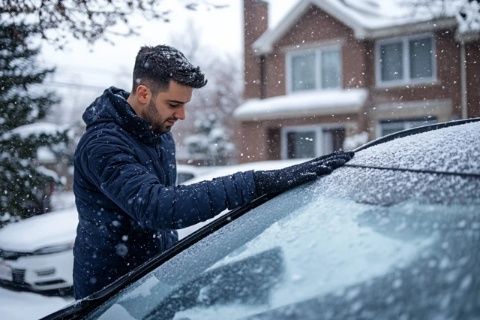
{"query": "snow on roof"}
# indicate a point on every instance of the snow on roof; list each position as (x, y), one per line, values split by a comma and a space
(307, 103)
(367, 18)
(469, 17)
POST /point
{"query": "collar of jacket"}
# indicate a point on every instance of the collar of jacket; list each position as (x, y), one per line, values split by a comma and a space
(123, 114)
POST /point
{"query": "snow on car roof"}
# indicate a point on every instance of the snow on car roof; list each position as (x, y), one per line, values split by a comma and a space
(451, 149)
(53, 228)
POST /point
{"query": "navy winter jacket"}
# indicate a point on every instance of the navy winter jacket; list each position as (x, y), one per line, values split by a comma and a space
(125, 193)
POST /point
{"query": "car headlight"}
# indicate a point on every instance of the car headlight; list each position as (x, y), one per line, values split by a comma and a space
(54, 249)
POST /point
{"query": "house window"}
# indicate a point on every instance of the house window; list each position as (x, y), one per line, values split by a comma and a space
(314, 69)
(310, 141)
(303, 72)
(391, 126)
(301, 144)
(405, 60)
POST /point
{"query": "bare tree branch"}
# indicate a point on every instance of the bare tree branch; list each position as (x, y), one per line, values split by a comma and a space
(86, 19)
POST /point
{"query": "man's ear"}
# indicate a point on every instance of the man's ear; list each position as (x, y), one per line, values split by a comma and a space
(143, 94)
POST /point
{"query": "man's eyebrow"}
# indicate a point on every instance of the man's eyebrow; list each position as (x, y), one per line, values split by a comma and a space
(176, 101)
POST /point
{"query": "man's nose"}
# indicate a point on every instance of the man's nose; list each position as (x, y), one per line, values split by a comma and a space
(180, 113)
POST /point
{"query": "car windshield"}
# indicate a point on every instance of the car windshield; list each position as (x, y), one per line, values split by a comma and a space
(343, 246)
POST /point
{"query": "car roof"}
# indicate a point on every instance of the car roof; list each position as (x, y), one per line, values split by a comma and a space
(449, 149)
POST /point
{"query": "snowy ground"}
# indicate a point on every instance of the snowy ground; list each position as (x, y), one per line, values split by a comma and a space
(27, 305)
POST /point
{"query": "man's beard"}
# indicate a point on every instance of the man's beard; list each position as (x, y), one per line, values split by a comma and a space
(151, 115)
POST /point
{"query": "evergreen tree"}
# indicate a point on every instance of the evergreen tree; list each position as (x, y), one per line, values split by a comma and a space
(24, 183)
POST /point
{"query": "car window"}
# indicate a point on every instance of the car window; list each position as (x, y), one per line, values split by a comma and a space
(357, 246)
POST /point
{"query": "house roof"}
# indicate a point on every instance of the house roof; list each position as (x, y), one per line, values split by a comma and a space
(307, 103)
(367, 18)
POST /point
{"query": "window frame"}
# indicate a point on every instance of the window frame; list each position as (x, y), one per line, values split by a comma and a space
(320, 147)
(306, 128)
(407, 122)
(406, 80)
(317, 50)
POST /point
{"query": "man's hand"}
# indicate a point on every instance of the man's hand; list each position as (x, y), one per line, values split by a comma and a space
(283, 179)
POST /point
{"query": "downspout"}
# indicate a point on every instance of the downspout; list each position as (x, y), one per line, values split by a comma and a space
(463, 80)
(263, 79)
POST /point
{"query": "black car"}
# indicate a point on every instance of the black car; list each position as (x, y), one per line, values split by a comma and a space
(394, 234)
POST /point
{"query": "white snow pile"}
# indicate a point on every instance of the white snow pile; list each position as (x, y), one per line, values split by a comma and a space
(469, 16)
(307, 103)
(35, 129)
(28, 305)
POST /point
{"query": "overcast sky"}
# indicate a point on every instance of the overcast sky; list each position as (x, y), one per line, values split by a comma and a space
(84, 70)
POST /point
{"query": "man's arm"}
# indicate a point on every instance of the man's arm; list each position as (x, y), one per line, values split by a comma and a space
(115, 170)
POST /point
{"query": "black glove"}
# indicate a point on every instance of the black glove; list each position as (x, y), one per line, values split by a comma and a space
(280, 180)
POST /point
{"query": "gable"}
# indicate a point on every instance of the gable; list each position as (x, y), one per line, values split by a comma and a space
(364, 23)
(314, 25)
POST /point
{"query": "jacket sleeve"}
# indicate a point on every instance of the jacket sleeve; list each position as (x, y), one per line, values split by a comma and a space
(115, 170)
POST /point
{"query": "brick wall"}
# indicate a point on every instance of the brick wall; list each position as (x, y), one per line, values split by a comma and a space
(472, 51)
(255, 23)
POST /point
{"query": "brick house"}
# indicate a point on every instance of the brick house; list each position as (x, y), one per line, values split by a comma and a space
(334, 68)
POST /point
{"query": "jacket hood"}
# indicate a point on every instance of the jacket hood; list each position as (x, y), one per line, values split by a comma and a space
(112, 106)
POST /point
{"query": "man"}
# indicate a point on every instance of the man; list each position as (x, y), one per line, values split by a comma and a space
(125, 173)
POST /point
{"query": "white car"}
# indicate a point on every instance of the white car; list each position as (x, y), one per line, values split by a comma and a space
(36, 253)
(186, 172)
(214, 172)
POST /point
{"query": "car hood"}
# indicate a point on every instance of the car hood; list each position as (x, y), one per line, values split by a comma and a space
(54, 228)
(451, 149)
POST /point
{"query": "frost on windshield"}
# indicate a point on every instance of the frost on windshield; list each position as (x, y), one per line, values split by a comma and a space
(338, 249)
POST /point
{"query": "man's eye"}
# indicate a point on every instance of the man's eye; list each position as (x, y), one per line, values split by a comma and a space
(173, 105)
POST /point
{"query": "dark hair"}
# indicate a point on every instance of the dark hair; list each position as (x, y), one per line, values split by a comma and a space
(156, 66)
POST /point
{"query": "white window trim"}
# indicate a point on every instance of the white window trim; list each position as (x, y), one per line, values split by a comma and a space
(302, 128)
(318, 77)
(406, 63)
(318, 136)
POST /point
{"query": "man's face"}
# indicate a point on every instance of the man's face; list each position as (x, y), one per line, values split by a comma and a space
(166, 107)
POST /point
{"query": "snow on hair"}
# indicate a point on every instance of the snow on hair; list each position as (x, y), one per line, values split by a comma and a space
(162, 63)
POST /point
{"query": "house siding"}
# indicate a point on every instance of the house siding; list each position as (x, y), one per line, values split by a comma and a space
(255, 23)
(326, 30)
(441, 98)
(268, 146)
(472, 51)
(419, 100)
